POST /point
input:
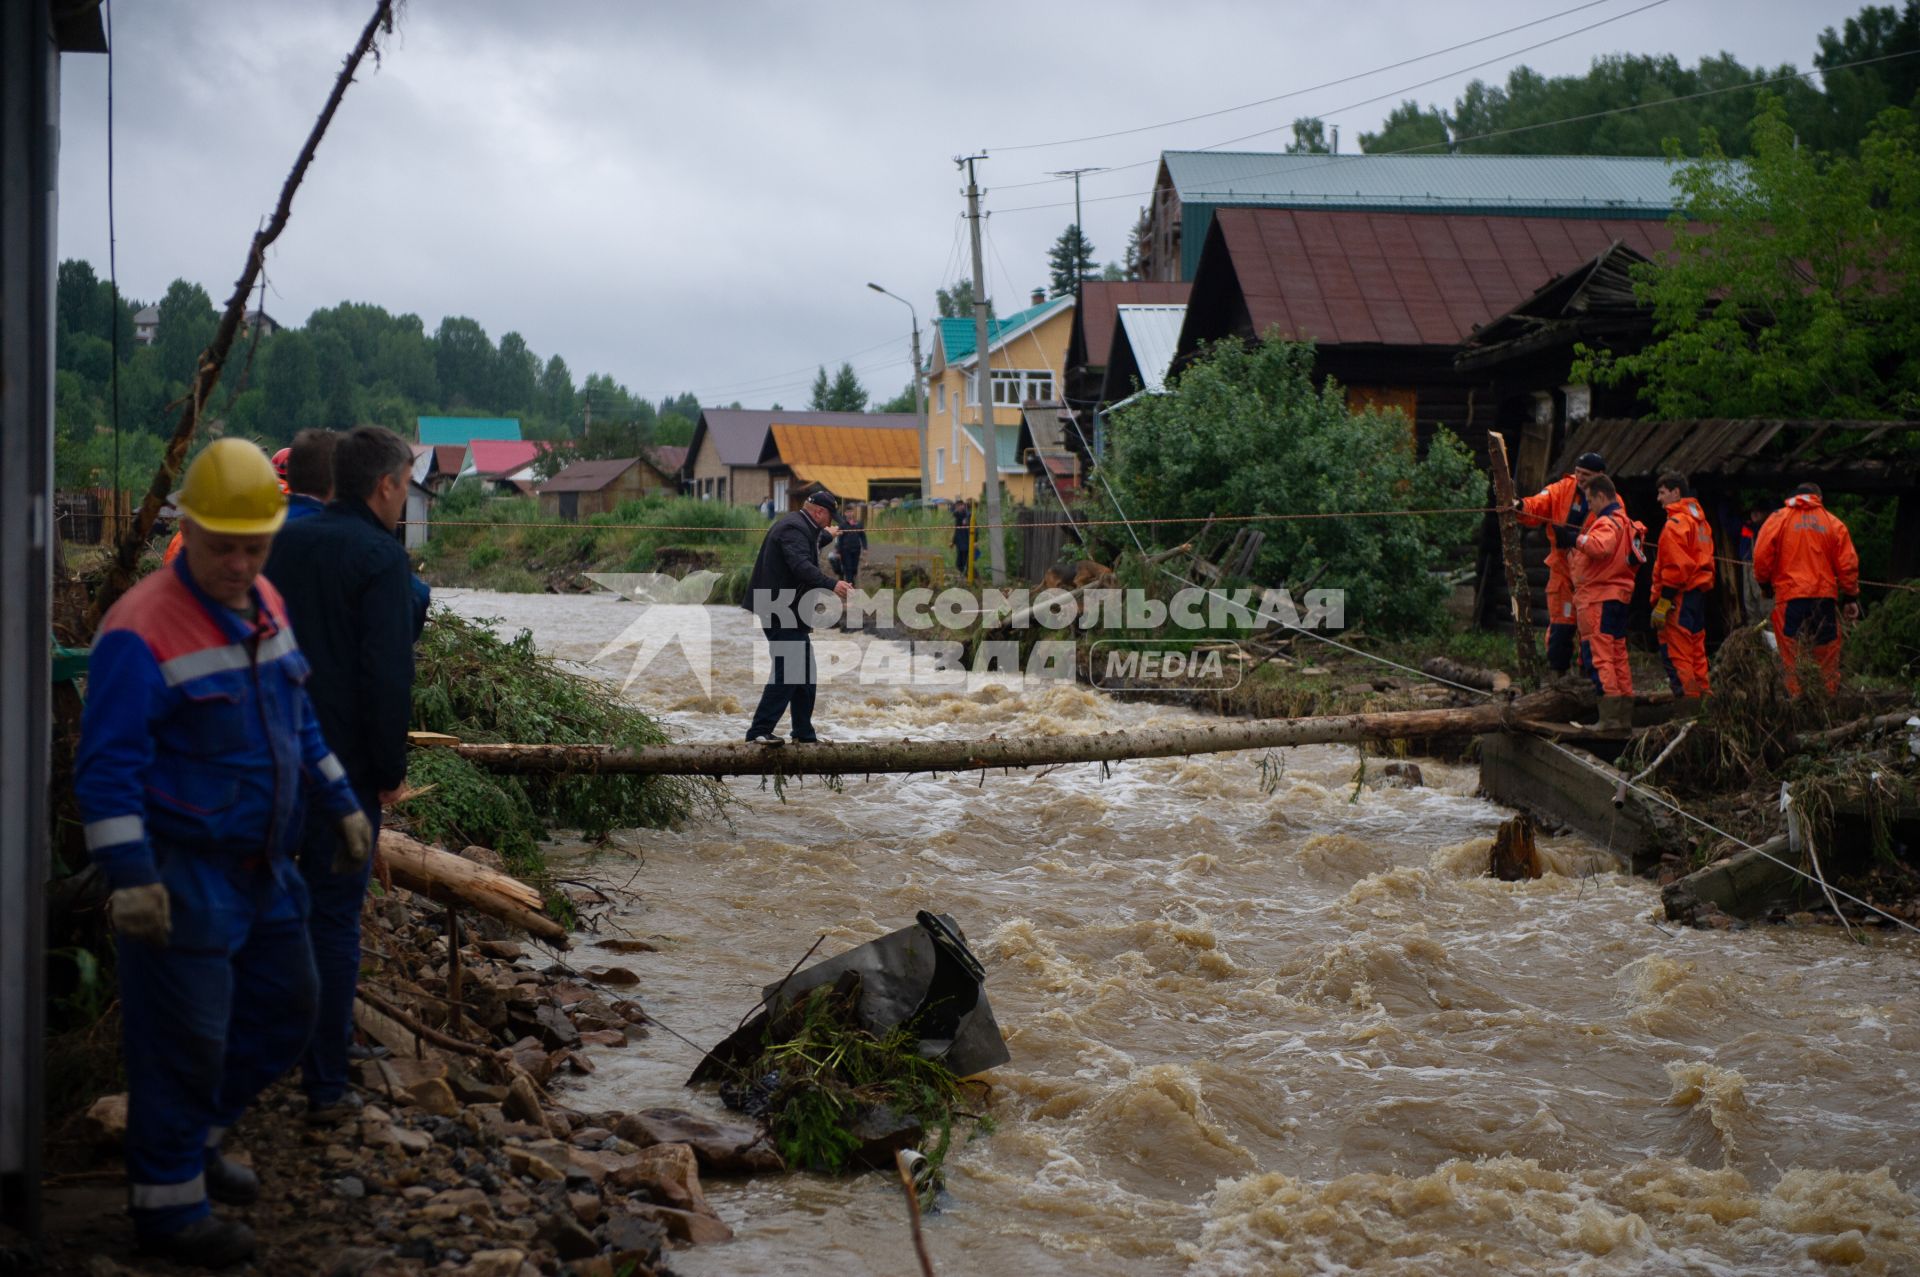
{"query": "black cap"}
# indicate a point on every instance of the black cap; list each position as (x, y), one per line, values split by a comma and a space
(824, 499)
(1591, 461)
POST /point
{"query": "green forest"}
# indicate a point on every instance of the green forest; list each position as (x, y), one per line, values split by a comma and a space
(348, 364)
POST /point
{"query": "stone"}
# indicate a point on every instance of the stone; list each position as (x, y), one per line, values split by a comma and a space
(883, 1131)
(568, 1239)
(633, 1239)
(468, 1090)
(722, 1147)
(411, 1141)
(556, 1030)
(494, 1263)
(464, 1201)
(618, 977)
(523, 1103)
(604, 1037)
(627, 946)
(1402, 775)
(355, 1261)
(107, 1121)
(667, 1173)
(573, 1061)
(523, 1160)
(435, 1096)
(685, 1226)
(416, 1193)
(484, 856)
(590, 1137)
(586, 1207)
(351, 1187)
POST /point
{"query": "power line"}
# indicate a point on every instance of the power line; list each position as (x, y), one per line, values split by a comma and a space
(1294, 93)
(1382, 97)
(1521, 128)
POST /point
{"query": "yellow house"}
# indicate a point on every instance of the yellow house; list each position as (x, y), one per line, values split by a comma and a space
(1026, 358)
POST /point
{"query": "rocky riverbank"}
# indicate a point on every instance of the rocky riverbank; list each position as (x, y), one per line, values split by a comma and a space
(466, 1158)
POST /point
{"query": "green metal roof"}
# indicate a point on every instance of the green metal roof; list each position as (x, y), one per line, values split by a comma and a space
(956, 335)
(1009, 442)
(434, 431)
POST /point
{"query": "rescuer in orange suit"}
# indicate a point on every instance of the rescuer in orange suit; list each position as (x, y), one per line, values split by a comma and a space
(1682, 576)
(279, 469)
(1605, 559)
(1562, 507)
(1805, 557)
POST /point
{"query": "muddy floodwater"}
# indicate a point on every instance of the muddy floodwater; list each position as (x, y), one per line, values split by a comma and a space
(1264, 1025)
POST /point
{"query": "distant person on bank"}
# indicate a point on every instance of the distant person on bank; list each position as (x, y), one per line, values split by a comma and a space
(786, 571)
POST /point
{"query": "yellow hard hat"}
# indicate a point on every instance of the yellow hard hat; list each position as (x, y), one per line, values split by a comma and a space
(231, 489)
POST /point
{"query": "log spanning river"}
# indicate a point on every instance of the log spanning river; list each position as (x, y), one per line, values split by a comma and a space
(1271, 1024)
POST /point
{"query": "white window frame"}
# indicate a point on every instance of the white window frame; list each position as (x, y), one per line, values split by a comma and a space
(1013, 387)
(940, 396)
(939, 465)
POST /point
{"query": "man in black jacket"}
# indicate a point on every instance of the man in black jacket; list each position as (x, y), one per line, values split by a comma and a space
(349, 593)
(789, 567)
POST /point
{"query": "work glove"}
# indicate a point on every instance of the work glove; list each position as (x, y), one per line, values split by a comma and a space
(356, 842)
(1662, 609)
(142, 913)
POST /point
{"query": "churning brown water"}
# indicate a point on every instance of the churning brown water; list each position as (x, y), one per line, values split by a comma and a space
(1269, 1028)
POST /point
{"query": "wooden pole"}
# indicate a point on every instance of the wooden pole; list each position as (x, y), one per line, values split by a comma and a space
(206, 375)
(1516, 565)
(455, 1011)
(854, 758)
(443, 876)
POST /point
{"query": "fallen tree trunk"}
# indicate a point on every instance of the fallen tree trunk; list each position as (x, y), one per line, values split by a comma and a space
(1467, 675)
(740, 758)
(451, 879)
(1850, 731)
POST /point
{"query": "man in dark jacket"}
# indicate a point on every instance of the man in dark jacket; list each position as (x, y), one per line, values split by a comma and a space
(789, 567)
(349, 594)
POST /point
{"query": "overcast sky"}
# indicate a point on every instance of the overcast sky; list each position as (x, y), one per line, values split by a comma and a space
(694, 196)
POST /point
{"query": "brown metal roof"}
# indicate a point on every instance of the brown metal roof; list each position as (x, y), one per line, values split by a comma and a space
(1398, 279)
(1100, 302)
(589, 476)
(671, 458)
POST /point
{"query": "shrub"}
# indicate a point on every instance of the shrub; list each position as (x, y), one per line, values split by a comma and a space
(1244, 432)
(1887, 640)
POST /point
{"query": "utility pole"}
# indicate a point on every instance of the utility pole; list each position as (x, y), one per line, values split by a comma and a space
(983, 382)
(919, 392)
(1078, 229)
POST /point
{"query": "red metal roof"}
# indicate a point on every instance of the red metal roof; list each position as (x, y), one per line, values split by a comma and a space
(448, 457)
(502, 456)
(1405, 279)
(1100, 301)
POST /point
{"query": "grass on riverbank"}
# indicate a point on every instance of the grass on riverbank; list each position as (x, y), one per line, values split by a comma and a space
(506, 544)
(471, 683)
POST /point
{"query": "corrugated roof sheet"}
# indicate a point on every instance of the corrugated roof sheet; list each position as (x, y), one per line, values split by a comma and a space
(670, 457)
(853, 482)
(589, 476)
(1154, 334)
(502, 456)
(1400, 279)
(1101, 299)
(956, 335)
(741, 435)
(1606, 185)
(861, 448)
(464, 430)
(1009, 441)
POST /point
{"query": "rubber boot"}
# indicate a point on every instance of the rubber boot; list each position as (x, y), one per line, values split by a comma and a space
(1616, 713)
(230, 1183)
(208, 1242)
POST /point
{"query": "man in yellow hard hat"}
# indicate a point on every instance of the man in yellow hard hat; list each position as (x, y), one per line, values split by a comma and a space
(197, 742)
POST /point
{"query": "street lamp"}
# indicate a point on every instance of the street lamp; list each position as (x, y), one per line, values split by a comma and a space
(919, 392)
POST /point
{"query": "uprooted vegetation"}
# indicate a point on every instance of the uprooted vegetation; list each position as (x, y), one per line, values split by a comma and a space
(471, 683)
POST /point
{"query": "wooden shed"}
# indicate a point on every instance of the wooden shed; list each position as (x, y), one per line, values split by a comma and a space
(596, 487)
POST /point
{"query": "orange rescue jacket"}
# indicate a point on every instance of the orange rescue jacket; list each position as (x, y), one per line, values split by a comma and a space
(1607, 557)
(1804, 552)
(1684, 560)
(1562, 507)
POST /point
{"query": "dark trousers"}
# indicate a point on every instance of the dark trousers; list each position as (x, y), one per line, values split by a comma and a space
(333, 921)
(208, 1020)
(1560, 647)
(849, 565)
(789, 686)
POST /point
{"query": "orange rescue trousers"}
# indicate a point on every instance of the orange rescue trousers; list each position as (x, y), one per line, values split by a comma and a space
(1816, 621)
(1683, 640)
(1603, 627)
